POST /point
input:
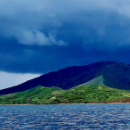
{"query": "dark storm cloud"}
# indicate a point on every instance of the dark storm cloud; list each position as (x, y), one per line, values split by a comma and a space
(46, 35)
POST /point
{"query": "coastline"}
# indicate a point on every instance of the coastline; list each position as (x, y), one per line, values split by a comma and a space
(69, 103)
(116, 101)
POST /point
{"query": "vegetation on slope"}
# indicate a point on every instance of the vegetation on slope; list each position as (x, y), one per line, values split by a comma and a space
(114, 75)
(88, 94)
(117, 76)
(54, 95)
(65, 78)
(31, 96)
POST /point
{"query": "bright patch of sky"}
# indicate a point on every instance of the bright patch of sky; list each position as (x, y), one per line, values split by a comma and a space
(12, 79)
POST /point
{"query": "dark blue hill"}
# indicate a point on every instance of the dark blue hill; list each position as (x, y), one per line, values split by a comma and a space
(115, 75)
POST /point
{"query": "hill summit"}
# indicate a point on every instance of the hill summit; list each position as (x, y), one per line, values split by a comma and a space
(111, 74)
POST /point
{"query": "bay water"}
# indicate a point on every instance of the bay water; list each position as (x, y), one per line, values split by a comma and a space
(65, 117)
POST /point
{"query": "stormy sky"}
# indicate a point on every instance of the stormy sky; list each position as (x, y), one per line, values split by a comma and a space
(39, 36)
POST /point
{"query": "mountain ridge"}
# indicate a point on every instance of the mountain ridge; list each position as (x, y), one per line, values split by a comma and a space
(78, 94)
(69, 77)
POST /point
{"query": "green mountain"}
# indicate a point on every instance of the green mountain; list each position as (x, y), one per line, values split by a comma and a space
(115, 75)
(31, 96)
(97, 82)
(78, 94)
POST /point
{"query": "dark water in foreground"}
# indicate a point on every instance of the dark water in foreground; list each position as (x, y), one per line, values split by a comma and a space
(65, 117)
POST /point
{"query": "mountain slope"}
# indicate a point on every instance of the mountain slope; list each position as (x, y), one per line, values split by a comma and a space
(31, 96)
(79, 94)
(96, 81)
(116, 75)
(64, 78)
(88, 94)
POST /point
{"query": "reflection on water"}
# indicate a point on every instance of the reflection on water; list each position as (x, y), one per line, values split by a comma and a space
(65, 117)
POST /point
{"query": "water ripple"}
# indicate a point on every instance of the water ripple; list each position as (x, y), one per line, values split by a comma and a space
(64, 117)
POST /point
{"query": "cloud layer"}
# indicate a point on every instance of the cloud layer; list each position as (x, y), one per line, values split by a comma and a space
(46, 35)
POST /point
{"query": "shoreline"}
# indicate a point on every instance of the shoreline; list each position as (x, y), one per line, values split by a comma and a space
(69, 103)
(116, 101)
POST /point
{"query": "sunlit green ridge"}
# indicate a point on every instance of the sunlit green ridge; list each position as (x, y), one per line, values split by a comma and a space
(55, 95)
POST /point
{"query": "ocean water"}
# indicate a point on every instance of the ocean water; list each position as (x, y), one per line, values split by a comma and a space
(65, 117)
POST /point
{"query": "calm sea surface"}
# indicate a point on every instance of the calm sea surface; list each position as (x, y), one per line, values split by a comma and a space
(65, 117)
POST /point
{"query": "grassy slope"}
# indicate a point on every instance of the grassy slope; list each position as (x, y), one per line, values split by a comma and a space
(53, 95)
(86, 94)
(99, 80)
(112, 74)
(31, 96)
(65, 78)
